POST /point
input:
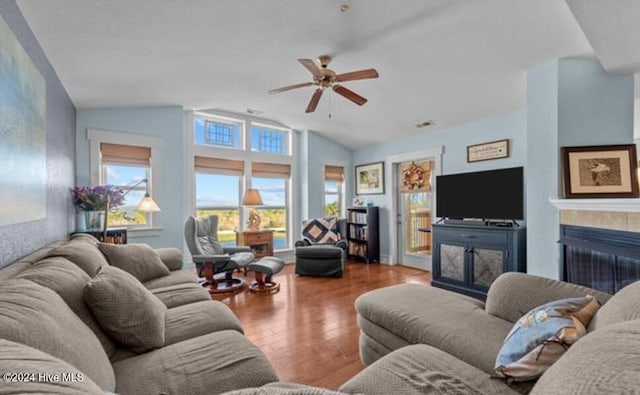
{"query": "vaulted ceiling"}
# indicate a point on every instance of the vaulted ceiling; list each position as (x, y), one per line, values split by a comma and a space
(447, 61)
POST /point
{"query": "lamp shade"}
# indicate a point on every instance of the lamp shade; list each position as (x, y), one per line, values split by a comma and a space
(252, 198)
(148, 205)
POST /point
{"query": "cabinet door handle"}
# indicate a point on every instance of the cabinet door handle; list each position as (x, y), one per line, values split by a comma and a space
(467, 236)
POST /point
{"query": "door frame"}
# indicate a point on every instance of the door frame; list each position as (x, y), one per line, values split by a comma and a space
(434, 154)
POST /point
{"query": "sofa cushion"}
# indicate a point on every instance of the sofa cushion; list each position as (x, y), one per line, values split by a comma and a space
(623, 306)
(17, 358)
(84, 254)
(171, 257)
(284, 388)
(196, 319)
(542, 335)
(420, 314)
(181, 294)
(68, 281)
(420, 369)
(209, 364)
(321, 230)
(606, 361)
(512, 294)
(126, 310)
(37, 317)
(187, 276)
(139, 260)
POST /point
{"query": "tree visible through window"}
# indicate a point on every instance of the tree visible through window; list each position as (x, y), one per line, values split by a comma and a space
(333, 187)
(273, 212)
(125, 176)
(218, 194)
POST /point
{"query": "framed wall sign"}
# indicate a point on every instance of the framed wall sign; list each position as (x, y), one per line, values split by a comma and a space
(600, 171)
(370, 179)
(488, 151)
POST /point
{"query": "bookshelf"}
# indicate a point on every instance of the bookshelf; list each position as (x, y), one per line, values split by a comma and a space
(362, 234)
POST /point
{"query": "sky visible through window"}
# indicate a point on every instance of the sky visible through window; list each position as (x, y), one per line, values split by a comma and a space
(220, 190)
(125, 177)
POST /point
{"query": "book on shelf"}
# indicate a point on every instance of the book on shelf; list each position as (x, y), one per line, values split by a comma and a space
(357, 249)
(357, 217)
(358, 232)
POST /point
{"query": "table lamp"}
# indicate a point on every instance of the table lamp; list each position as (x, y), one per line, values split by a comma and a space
(252, 198)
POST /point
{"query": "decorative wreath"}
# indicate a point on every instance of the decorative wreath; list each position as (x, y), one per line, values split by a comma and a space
(413, 177)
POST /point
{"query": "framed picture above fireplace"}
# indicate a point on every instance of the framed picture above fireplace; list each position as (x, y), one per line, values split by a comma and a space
(602, 171)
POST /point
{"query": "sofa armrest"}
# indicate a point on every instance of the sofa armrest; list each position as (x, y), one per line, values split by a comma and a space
(211, 258)
(302, 243)
(342, 244)
(513, 294)
(171, 257)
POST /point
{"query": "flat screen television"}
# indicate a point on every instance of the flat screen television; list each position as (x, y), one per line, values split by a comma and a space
(493, 194)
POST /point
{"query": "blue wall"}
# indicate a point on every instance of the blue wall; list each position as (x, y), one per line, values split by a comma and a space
(454, 160)
(166, 123)
(20, 239)
(318, 151)
(570, 102)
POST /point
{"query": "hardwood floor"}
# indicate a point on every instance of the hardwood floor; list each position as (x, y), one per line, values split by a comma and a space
(308, 330)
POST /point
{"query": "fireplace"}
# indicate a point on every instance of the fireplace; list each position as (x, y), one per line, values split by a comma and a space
(602, 259)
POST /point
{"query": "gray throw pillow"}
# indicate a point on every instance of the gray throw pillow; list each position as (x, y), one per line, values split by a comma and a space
(126, 310)
(139, 260)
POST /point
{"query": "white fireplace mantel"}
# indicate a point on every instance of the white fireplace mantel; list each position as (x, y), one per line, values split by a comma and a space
(616, 205)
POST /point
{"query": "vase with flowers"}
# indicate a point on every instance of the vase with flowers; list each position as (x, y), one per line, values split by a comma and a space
(92, 203)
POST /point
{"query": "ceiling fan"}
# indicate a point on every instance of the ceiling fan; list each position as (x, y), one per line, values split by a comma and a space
(325, 78)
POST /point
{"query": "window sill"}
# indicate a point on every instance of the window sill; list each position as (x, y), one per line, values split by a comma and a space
(143, 232)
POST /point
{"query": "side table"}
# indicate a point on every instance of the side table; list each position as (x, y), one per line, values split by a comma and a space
(260, 241)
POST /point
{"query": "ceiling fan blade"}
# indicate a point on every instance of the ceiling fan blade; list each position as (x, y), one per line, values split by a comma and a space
(357, 75)
(311, 66)
(314, 100)
(349, 94)
(288, 88)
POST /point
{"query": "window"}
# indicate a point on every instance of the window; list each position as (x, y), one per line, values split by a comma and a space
(127, 166)
(272, 180)
(218, 132)
(233, 152)
(269, 139)
(218, 183)
(333, 188)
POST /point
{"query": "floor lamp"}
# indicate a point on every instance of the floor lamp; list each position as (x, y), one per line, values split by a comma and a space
(146, 205)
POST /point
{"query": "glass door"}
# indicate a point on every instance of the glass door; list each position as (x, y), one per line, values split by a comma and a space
(414, 212)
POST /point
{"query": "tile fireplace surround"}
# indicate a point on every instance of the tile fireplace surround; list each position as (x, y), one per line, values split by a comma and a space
(600, 240)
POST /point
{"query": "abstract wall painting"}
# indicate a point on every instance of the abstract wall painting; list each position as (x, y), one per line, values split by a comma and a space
(23, 168)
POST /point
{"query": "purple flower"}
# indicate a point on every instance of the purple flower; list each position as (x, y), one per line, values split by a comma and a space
(97, 198)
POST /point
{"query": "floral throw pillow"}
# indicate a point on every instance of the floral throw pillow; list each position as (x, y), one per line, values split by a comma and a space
(542, 335)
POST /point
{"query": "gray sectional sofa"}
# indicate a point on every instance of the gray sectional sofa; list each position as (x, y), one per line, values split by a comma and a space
(437, 337)
(47, 327)
(415, 339)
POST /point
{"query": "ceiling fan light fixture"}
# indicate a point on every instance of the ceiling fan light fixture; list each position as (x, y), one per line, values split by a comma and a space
(344, 8)
(324, 77)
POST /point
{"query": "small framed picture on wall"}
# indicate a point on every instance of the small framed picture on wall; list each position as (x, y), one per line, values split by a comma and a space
(370, 179)
(600, 171)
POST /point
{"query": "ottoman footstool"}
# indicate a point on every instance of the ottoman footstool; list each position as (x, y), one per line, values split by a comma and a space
(264, 269)
(320, 260)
